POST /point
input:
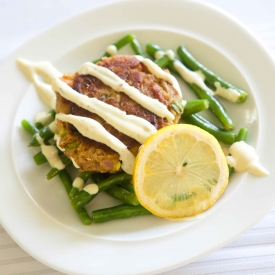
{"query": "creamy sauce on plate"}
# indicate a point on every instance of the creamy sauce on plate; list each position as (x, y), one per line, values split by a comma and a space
(43, 117)
(243, 158)
(78, 183)
(169, 53)
(51, 154)
(91, 188)
(111, 50)
(36, 70)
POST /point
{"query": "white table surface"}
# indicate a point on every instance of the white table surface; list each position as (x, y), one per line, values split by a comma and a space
(253, 252)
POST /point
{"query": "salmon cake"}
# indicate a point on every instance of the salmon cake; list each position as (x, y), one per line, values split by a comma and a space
(91, 155)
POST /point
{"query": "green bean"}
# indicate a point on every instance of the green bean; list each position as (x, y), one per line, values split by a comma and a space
(118, 212)
(242, 134)
(38, 125)
(66, 180)
(195, 106)
(215, 107)
(123, 195)
(137, 47)
(74, 192)
(45, 133)
(84, 176)
(83, 197)
(226, 137)
(53, 113)
(67, 183)
(124, 41)
(39, 158)
(118, 44)
(127, 186)
(28, 127)
(230, 170)
(98, 177)
(54, 171)
(210, 78)
(83, 215)
(163, 61)
(151, 49)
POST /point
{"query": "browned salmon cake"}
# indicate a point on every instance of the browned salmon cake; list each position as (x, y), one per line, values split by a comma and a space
(94, 156)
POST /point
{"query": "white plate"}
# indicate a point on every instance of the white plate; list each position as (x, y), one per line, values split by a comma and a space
(37, 214)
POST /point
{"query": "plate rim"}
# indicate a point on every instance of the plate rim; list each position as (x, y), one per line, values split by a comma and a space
(7, 228)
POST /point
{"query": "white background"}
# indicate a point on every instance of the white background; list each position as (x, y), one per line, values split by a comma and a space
(252, 253)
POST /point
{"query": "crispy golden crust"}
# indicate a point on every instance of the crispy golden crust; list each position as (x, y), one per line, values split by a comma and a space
(95, 156)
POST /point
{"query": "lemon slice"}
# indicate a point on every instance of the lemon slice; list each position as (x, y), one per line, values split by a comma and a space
(180, 171)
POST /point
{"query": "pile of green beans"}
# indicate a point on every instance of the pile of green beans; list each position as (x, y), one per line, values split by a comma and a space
(222, 136)
(84, 176)
(118, 185)
(83, 197)
(214, 105)
(63, 174)
(210, 78)
(45, 133)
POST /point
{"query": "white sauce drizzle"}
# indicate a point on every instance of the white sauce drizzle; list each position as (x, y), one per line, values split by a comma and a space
(116, 83)
(169, 53)
(47, 72)
(43, 117)
(57, 139)
(183, 102)
(94, 130)
(78, 183)
(51, 154)
(118, 119)
(159, 54)
(91, 188)
(52, 126)
(159, 73)
(243, 157)
(111, 50)
(192, 77)
(197, 77)
(74, 163)
(227, 93)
